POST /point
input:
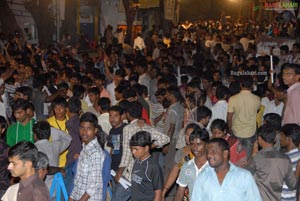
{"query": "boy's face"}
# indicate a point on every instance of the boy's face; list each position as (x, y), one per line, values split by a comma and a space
(198, 147)
(87, 132)
(115, 119)
(217, 133)
(140, 152)
(289, 76)
(60, 111)
(93, 97)
(20, 95)
(21, 115)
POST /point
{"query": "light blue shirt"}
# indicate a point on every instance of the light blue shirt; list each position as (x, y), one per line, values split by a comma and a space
(238, 185)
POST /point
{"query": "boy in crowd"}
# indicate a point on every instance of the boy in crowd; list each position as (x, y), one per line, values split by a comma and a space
(58, 121)
(22, 129)
(289, 140)
(191, 169)
(146, 177)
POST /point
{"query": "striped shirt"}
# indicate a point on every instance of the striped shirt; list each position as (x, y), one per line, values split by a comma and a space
(290, 195)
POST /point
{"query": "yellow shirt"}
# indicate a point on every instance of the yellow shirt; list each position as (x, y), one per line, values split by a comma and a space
(61, 125)
(244, 107)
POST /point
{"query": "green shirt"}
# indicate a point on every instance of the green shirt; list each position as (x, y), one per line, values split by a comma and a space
(17, 133)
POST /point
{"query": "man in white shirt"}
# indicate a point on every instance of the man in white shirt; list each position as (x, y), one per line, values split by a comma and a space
(139, 43)
(276, 105)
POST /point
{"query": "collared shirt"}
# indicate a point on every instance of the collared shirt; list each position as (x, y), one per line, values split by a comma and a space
(238, 184)
(11, 193)
(287, 194)
(174, 116)
(88, 177)
(270, 169)
(33, 189)
(244, 107)
(188, 174)
(127, 160)
(292, 112)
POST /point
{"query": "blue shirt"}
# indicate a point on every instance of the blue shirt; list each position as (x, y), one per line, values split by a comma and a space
(238, 185)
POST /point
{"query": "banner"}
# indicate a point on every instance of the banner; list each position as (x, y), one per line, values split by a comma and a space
(265, 44)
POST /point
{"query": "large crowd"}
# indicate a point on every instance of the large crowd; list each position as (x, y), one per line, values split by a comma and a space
(192, 113)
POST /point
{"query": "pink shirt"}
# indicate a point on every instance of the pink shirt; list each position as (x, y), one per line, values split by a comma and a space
(292, 110)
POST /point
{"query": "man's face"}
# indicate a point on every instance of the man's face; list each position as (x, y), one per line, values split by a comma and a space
(16, 166)
(205, 121)
(20, 95)
(283, 140)
(198, 147)
(60, 111)
(215, 155)
(289, 76)
(93, 97)
(21, 115)
(115, 118)
(87, 132)
(187, 135)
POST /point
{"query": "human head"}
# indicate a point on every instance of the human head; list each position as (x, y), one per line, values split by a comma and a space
(246, 82)
(104, 104)
(140, 144)
(21, 110)
(266, 135)
(188, 130)
(198, 140)
(290, 74)
(290, 133)
(74, 105)
(219, 128)
(134, 110)
(42, 165)
(222, 92)
(41, 130)
(22, 158)
(59, 105)
(94, 94)
(23, 92)
(88, 127)
(273, 119)
(115, 116)
(203, 115)
(218, 152)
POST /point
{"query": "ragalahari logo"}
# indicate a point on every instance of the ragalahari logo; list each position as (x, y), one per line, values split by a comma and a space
(281, 5)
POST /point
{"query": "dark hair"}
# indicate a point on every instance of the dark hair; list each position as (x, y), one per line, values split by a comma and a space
(20, 104)
(42, 162)
(63, 85)
(116, 108)
(294, 67)
(3, 123)
(222, 92)
(234, 87)
(78, 90)
(273, 119)
(223, 144)
(174, 90)
(27, 91)
(42, 130)
(267, 133)
(91, 118)
(219, 124)
(193, 126)
(201, 134)
(123, 105)
(59, 101)
(94, 90)
(129, 93)
(160, 92)
(141, 138)
(104, 103)
(246, 81)
(74, 105)
(202, 112)
(292, 131)
(134, 109)
(26, 151)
